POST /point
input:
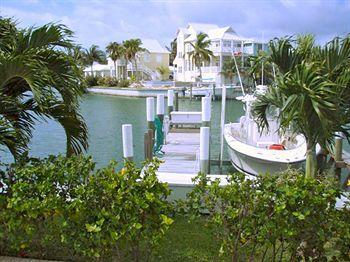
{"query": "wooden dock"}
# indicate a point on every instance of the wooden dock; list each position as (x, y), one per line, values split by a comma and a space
(181, 152)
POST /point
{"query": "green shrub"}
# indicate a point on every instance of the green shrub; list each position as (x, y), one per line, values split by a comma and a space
(107, 81)
(62, 203)
(123, 83)
(91, 80)
(284, 217)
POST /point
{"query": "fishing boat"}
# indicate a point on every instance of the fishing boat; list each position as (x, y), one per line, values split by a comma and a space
(253, 152)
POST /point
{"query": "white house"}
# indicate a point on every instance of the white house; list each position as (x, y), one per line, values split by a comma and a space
(147, 62)
(224, 43)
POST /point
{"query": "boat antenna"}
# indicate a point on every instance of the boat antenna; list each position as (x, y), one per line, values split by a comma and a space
(262, 72)
(262, 63)
(239, 75)
(274, 71)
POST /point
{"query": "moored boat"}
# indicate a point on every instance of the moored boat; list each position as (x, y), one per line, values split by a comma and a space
(255, 152)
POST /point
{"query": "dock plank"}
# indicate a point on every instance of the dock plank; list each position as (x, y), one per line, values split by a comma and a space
(180, 153)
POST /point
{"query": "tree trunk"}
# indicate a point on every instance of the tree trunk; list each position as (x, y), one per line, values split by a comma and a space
(92, 71)
(310, 166)
(115, 68)
(136, 73)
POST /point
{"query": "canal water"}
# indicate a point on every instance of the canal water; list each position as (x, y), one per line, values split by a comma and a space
(105, 115)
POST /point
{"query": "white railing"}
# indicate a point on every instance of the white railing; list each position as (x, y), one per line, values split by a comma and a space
(210, 69)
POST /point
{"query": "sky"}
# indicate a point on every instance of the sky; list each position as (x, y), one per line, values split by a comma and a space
(102, 21)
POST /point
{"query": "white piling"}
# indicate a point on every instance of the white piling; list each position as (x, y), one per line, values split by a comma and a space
(150, 112)
(128, 151)
(204, 145)
(160, 106)
(206, 111)
(170, 101)
(222, 125)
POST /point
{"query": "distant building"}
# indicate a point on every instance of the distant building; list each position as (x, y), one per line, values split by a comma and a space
(147, 62)
(224, 43)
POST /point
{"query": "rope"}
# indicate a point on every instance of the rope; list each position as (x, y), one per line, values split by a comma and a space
(159, 137)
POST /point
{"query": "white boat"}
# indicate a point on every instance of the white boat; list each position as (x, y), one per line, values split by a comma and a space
(270, 152)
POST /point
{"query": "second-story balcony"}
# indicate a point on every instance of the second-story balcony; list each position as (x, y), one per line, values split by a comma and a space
(210, 69)
(225, 49)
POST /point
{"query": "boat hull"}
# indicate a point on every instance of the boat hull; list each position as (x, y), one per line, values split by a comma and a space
(255, 165)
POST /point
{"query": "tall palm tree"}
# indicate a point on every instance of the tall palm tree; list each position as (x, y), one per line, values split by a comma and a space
(311, 91)
(131, 48)
(115, 51)
(173, 51)
(201, 52)
(38, 80)
(94, 54)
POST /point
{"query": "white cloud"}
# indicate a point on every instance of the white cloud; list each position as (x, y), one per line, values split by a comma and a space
(99, 22)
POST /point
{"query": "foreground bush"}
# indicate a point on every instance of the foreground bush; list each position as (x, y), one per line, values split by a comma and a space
(285, 217)
(62, 204)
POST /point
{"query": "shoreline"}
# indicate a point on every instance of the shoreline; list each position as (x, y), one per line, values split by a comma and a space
(132, 92)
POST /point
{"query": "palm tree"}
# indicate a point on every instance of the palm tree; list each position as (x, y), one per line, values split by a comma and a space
(39, 80)
(94, 54)
(201, 52)
(164, 72)
(131, 48)
(115, 51)
(77, 53)
(173, 51)
(311, 91)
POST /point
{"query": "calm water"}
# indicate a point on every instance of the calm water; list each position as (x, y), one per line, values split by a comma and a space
(105, 115)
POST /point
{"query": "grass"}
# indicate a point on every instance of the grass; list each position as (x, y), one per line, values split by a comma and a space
(188, 241)
(184, 241)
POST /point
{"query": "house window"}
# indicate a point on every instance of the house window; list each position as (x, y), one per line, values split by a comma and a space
(216, 44)
(227, 43)
(159, 58)
(180, 54)
(179, 69)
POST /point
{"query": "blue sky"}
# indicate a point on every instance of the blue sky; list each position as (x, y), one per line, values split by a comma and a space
(102, 21)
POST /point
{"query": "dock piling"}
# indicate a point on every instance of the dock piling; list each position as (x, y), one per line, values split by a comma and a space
(204, 145)
(206, 111)
(176, 102)
(170, 102)
(150, 112)
(160, 107)
(128, 151)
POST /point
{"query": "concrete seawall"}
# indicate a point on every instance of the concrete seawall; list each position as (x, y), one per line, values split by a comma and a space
(132, 92)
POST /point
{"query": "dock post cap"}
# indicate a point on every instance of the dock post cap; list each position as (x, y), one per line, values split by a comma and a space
(170, 97)
(204, 143)
(150, 109)
(206, 109)
(160, 104)
(128, 151)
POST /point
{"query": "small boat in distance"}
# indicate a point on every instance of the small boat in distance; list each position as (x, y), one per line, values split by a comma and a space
(256, 153)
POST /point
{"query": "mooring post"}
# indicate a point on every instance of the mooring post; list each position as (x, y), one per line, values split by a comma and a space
(160, 107)
(206, 111)
(128, 151)
(148, 144)
(150, 112)
(170, 102)
(338, 154)
(204, 145)
(176, 103)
